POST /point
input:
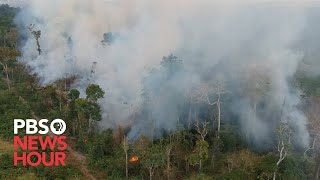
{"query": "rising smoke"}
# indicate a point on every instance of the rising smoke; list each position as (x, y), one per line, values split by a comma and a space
(251, 45)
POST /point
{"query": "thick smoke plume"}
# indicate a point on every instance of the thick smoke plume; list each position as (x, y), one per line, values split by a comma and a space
(251, 46)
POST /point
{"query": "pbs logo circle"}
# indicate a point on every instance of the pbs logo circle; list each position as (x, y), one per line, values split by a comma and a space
(58, 126)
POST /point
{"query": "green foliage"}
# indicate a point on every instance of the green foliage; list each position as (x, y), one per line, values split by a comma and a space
(12, 107)
(94, 92)
(73, 94)
(294, 168)
(88, 109)
(8, 53)
(201, 176)
(8, 33)
(102, 144)
(153, 158)
(267, 166)
(84, 112)
(27, 100)
(202, 149)
(7, 11)
(310, 85)
(106, 155)
(231, 139)
(237, 174)
(55, 172)
(7, 170)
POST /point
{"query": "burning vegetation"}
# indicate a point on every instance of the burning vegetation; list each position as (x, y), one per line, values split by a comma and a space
(202, 90)
(134, 159)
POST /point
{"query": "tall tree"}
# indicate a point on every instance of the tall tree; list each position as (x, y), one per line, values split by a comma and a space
(202, 147)
(125, 146)
(7, 55)
(284, 143)
(73, 96)
(203, 92)
(88, 110)
(153, 159)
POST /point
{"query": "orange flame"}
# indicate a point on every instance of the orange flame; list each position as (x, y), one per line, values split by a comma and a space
(134, 158)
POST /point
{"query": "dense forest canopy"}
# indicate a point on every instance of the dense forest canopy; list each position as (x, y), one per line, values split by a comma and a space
(189, 95)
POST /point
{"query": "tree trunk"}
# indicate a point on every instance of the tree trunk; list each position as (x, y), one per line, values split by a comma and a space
(168, 162)
(60, 104)
(254, 114)
(7, 74)
(38, 44)
(5, 68)
(89, 128)
(79, 122)
(151, 126)
(317, 169)
(187, 167)
(189, 117)
(65, 84)
(219, 115)
(150, 173)
(127, 176)
(212, 161)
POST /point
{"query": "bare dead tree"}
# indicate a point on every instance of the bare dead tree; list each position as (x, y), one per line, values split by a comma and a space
(256, 85)
(312, 147)
(36, 34)
(284, 142)
(203, 92)
(202, 129)
(93, 70)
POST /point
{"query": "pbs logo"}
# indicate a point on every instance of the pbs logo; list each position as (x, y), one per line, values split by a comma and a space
(32, 126)
(58, 126)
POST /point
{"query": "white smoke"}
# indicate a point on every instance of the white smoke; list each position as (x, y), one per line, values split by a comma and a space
(203, 33)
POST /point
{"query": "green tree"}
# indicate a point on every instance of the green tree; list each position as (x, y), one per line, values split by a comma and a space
(72, 114)
(94, 92)
(7, 55)
(87, 113)
(201, 154)
(153, 159)
(202, 147)
(88, 110)
(73, 95)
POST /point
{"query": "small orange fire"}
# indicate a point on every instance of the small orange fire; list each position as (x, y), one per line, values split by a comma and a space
(134, 159)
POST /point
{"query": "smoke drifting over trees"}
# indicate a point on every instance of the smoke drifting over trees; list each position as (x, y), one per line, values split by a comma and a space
(152, 56)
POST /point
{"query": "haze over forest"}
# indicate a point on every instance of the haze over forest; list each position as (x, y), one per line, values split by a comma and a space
(200, 83)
